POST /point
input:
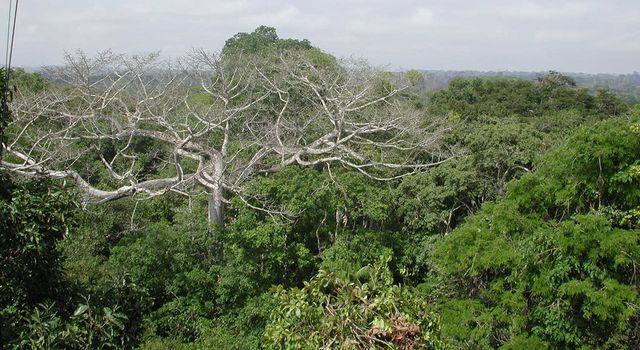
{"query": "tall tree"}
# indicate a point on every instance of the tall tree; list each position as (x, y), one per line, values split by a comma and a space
(214, 121)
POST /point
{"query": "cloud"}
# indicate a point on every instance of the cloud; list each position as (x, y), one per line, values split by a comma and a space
(185, 8)
(586, 35)
(547, 11)
(421, 16)
(289, 17)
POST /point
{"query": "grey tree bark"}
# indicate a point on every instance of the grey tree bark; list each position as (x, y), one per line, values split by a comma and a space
(216, 207)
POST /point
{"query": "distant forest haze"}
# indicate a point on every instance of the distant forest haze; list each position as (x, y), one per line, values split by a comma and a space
(274, 196)
(626, 86)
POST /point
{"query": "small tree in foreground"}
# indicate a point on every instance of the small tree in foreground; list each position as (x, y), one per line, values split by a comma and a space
(333, 313)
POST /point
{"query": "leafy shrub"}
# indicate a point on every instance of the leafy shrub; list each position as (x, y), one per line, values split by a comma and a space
(331, 312)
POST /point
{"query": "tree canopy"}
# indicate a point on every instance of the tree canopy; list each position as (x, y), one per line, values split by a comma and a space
(553, 262)
(358, 213)
(216, 121)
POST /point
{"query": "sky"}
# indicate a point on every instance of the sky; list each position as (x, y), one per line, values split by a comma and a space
(591, 36)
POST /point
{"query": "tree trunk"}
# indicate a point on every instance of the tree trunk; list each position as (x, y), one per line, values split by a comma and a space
(216, 207)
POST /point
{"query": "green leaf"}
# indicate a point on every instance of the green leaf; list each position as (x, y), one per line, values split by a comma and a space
(81, 310)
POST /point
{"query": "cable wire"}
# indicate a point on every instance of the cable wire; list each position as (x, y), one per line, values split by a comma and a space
(6, 53)
(11, 32)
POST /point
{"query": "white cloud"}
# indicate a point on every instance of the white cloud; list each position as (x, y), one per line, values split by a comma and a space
(421, 17)
(438, 34)
(289, 17)
(215, 8)
(547, 11)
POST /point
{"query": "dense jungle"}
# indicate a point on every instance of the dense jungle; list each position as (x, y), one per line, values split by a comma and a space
(273, 196)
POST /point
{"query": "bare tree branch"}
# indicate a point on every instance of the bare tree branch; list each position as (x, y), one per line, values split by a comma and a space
(215, 123)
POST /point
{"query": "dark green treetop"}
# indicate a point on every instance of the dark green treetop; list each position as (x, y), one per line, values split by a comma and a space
(262, 38)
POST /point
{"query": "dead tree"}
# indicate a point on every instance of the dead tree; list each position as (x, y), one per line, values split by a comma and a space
(220, 120)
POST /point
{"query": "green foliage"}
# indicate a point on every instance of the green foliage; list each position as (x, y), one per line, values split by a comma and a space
(317, 196)
(414, 77)
(473, 98)
(194, 288)
(331, 312)
(503, 146)
(505, 124)
(262, 39)
(36, 294)
(353, 250)
(25, 81)
(435, 201)
(34, 216)
(551, 263)
(548, 264)
(566, 283)
(241, 329)
(176, 281)
(320, 59)
(87, 328)
(19, 80)
(173, 266)
(596, 169)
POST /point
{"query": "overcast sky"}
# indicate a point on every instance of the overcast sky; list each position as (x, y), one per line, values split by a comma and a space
(570, 36)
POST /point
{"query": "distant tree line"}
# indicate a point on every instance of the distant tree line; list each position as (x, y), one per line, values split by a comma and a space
(627, 86)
